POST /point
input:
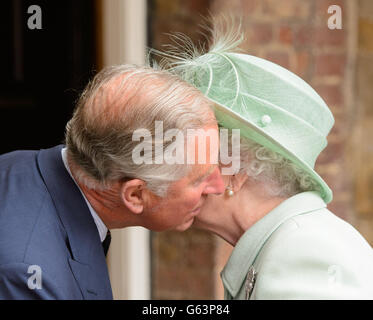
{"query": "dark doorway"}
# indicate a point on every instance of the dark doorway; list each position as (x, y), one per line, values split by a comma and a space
(43, 70)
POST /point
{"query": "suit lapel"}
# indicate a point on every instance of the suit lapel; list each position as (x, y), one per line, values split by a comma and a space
(88, 262)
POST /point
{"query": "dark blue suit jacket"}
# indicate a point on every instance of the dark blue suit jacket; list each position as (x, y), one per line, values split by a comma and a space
(45, 222)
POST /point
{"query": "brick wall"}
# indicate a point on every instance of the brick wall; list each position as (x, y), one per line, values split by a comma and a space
(294, 34)
(361, 146)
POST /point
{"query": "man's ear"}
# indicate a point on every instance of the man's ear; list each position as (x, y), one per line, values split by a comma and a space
(238, 180)
(132, 194)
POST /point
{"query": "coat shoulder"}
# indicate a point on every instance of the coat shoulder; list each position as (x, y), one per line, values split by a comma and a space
(318, 228)
(308, 253)
(27, 211)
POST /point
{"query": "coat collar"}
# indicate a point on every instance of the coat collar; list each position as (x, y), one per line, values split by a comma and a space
(102, 229)
(251, 242)
(88, 258)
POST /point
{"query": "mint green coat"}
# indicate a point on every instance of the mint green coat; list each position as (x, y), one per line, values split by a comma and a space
(300, 250)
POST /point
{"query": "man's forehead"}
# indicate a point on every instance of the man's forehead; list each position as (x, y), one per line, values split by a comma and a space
(201, 171)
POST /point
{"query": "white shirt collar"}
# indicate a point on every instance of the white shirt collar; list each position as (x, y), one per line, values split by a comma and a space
(102, 229)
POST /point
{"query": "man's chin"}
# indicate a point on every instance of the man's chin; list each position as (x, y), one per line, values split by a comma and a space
(185, 226)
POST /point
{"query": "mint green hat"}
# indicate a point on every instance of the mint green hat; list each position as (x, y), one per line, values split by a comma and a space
(269, 104)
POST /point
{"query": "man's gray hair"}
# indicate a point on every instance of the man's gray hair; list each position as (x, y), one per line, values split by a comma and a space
(118, 101)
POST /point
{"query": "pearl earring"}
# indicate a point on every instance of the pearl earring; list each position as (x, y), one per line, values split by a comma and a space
(229, 192)
(228, 189)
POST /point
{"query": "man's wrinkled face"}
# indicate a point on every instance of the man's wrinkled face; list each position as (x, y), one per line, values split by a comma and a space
(185, 197)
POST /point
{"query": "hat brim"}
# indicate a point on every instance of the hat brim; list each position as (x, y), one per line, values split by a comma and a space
(247, 128)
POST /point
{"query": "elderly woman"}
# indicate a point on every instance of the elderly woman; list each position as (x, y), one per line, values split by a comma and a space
(287, 244)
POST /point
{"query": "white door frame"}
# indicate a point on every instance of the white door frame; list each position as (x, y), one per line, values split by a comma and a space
(124, 41)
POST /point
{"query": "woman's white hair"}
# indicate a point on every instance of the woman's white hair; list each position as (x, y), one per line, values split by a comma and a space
(279, 176)
(118, 101)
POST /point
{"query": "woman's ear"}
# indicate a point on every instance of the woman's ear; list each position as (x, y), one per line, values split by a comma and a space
(132, 194)
(238, 180)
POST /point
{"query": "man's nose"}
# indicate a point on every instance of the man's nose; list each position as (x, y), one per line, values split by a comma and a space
(215, 183)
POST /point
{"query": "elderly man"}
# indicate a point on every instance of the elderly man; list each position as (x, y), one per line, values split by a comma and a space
(57, 204)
